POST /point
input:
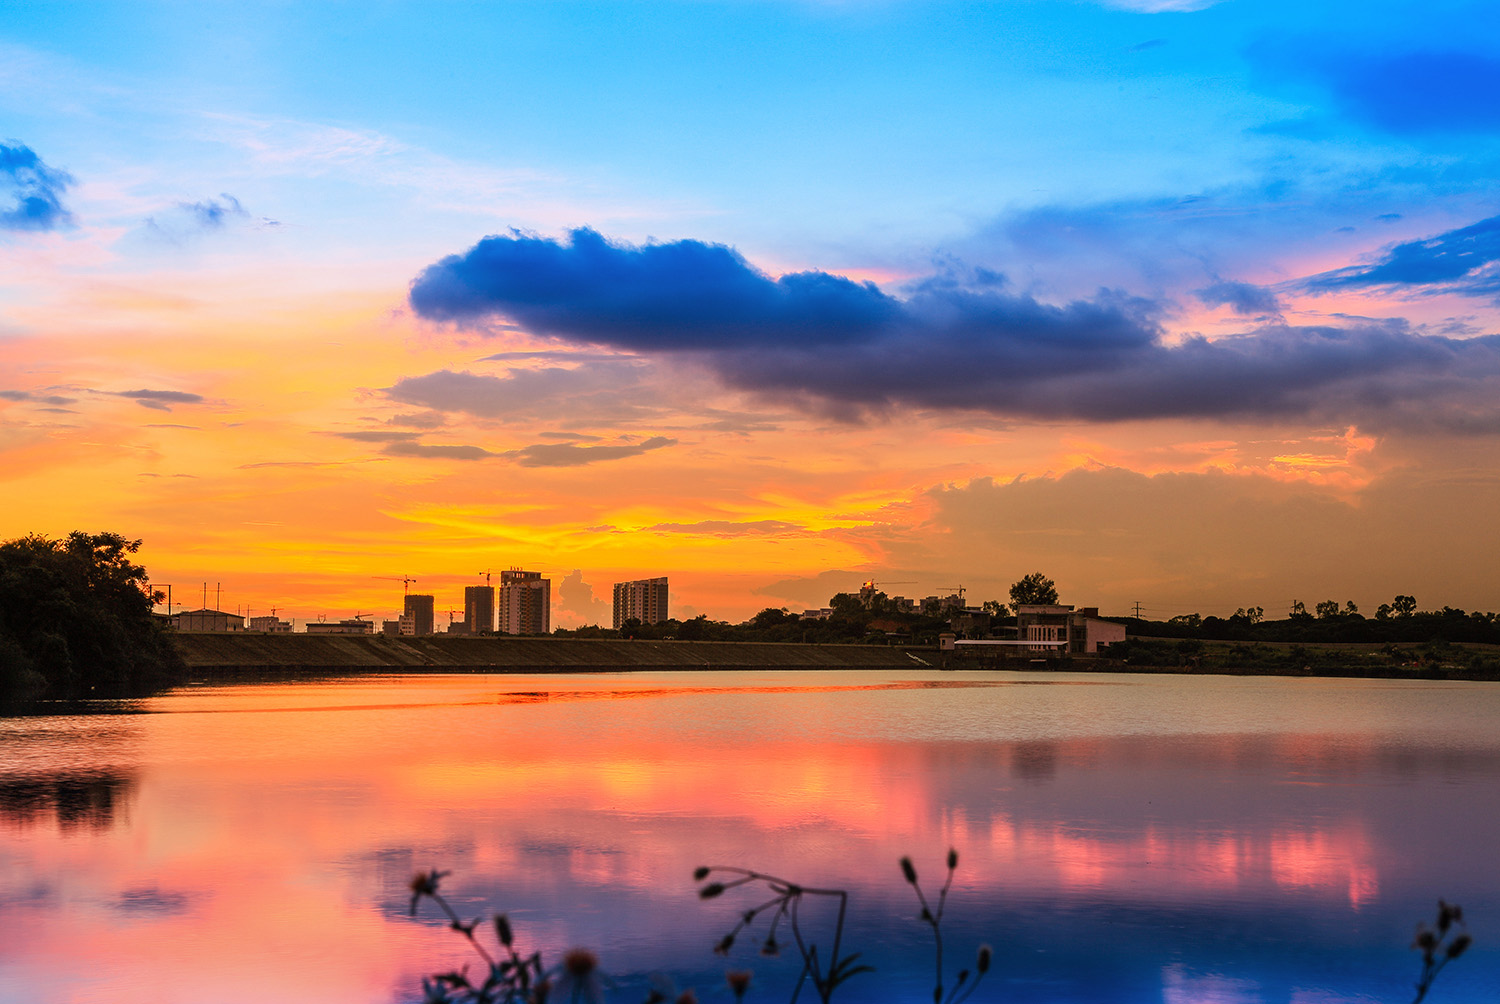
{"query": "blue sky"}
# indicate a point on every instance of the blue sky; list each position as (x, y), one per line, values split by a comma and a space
(1171, 239)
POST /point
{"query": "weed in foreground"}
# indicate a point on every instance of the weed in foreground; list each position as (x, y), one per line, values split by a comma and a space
(1440, 944)
(513, 978)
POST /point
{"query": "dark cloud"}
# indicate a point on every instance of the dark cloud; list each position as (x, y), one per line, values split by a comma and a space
(436, 452)
(1461, 260)
(681, 295)
(952, 343)
(1150, 43)
(1418, 92)
(1242, 297)
(569, 455)
(30, 191)
(728, 528)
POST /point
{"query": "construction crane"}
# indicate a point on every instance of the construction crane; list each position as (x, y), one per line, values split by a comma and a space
(486, 574)
(957, 589)
(405, 580)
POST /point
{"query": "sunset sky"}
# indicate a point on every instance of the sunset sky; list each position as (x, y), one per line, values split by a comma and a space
(1187, 303)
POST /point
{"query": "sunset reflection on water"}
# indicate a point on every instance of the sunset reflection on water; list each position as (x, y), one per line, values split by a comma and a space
(1121, 838)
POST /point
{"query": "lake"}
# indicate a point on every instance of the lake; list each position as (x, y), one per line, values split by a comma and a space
(1121, 838)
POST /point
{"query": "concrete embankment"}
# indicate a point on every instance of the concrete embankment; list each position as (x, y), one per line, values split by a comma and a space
(249, 655)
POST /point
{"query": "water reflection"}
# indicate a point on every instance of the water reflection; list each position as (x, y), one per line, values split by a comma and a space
(1128, 839)
(71, 799)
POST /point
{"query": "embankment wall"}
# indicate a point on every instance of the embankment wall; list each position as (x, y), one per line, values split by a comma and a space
(230, 655)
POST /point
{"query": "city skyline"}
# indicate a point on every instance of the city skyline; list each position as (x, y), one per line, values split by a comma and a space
(1179, 302)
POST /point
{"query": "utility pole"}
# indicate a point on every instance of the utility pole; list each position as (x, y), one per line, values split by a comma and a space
(1137, 609)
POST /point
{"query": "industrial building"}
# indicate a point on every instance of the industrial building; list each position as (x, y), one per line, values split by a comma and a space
(525, 603)
(644, 600)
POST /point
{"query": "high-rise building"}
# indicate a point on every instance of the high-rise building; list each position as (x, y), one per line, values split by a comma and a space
(419, 607)
(644, 600)
(479, 609)
(525, 603)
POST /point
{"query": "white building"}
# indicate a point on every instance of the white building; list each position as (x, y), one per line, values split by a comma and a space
(644, 600)
(525, 603)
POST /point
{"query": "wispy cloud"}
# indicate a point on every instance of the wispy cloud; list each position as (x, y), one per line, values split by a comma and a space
(28, 396)
(157, 400)
(729, 528)
(1464, 260)
(436, 451)
(570, 455)
(551, 393)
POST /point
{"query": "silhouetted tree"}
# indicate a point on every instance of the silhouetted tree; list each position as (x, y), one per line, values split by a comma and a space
(75, 619)
(1404, 606)
(1033, 589)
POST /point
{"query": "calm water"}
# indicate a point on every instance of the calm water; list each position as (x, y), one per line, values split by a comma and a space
(1122, 839)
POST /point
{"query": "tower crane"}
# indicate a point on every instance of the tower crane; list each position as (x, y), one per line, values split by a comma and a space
(405, 580)
(872, 585)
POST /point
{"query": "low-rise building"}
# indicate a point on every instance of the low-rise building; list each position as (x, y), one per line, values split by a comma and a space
(352, 625)
(270, 625)
(1081, 632)
(207, 621)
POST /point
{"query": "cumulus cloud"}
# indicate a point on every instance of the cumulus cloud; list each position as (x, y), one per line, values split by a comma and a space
(576, 597)
(952, 343)
(1463, 260)
(571, 455)
(30, 191)
(679, 295)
